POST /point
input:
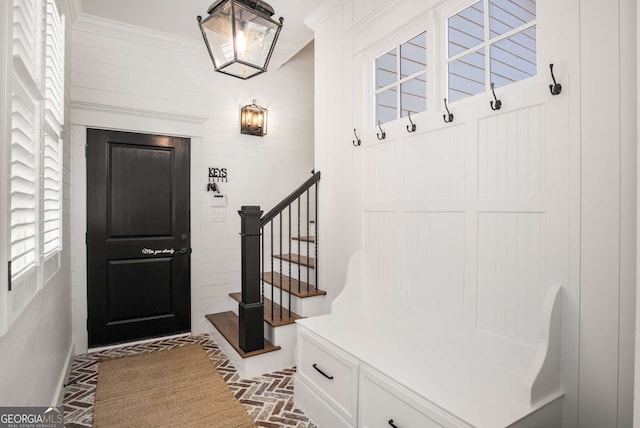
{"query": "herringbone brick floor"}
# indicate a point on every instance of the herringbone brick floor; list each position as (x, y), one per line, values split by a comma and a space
(268, 398)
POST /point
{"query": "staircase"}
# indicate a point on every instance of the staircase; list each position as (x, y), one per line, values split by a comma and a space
(279, 284)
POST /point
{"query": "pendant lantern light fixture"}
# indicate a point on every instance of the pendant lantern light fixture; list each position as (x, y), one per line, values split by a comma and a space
(240, 36)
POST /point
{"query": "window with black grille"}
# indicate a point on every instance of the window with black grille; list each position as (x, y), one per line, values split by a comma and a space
(401, 80)
(491, 41)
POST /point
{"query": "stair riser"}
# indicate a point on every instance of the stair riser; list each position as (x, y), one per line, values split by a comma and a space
(257, 365)
(303, 251)
(301, 276)
(294, 269)
(308, 307)
(268, 328)
(274, 295)
(304, 231)
(283, 336)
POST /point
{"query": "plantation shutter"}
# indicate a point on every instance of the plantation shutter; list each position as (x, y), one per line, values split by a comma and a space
(54, 67)
(51, 194)
(54, 113)
(23, 183)
(26, 14)
(24, 135)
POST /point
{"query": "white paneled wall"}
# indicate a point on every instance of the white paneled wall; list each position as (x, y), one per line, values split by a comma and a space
(458, 244)
(542, 191)
(435, 241)
(511, 274)
(379, 179)
(511, 154)
(381, 255)
(131, 79)
(434, 165)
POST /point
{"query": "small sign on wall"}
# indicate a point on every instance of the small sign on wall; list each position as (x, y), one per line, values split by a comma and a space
(218, 200)
(218, 174)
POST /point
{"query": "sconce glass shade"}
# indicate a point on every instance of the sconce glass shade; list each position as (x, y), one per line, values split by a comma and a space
(240, 36)
(253, 120)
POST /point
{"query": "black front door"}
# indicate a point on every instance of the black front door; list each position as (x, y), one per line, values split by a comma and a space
(138, 236)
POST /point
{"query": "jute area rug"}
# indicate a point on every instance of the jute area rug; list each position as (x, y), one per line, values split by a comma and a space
(173, 388)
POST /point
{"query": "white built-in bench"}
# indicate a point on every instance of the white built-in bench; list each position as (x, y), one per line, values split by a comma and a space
(369, 364)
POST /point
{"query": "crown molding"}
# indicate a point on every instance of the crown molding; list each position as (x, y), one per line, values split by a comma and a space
(323, 12)
(132, 111)
(114, 29)
(74, 10)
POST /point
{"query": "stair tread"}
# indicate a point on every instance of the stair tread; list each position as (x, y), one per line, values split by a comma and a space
(228, 324)
(277, 320)
(304, 238)
(292, 285)
(297, 259)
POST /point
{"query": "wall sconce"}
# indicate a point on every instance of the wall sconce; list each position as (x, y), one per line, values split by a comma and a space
(240, 36)
(253, 120)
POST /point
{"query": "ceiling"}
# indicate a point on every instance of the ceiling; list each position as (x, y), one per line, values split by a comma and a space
(178, 17)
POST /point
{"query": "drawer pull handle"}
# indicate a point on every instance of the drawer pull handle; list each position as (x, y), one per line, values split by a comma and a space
(392, 424)
(315, 366)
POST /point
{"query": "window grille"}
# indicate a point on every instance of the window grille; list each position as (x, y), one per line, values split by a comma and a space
(504, 30)
(401, 80)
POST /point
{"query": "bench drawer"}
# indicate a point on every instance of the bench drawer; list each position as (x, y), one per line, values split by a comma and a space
(331, 373)
(382, 405)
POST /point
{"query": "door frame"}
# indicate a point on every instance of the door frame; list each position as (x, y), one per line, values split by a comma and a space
(127, 120)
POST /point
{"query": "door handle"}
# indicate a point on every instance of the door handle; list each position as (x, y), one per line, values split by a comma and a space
(184, 237)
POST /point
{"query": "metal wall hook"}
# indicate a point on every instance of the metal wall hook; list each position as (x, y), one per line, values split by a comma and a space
(411, 128)
(381, 135)
(498, 103)
(357, 141)
(555, 88)
(448, 118)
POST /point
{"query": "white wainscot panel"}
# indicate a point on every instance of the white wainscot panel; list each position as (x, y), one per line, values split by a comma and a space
(379, 171)
(511, 153)
(434, 165)
(434, 247)
(380, 249)
(511, 274)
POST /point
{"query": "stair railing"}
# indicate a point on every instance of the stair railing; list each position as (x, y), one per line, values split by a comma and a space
(253, 224)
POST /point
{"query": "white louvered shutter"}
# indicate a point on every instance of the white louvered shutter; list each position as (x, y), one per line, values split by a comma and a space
(51, 194)
(54, 114)
(25, 129)
(54, 66)
(26, 16)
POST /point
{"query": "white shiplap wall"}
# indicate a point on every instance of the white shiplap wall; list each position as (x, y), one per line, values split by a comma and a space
(131, 79)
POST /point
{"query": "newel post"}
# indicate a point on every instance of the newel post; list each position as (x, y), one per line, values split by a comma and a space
(251, 311)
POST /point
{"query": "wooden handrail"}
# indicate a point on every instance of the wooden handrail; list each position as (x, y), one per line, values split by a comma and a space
(289, 199)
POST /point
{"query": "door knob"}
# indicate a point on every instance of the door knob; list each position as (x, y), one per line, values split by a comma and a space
(184, 236)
